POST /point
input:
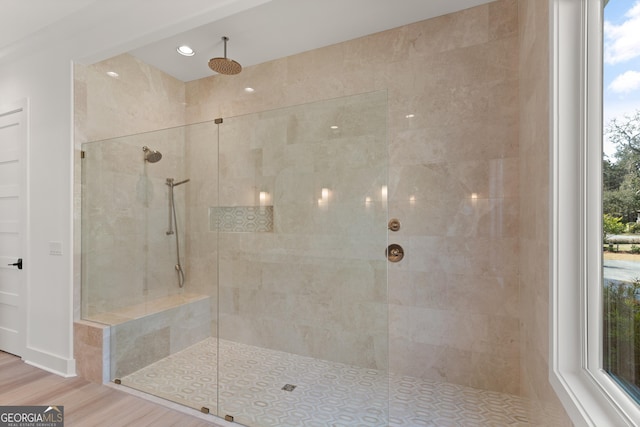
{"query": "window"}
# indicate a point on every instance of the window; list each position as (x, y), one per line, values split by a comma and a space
(621, 195)
(593, 389)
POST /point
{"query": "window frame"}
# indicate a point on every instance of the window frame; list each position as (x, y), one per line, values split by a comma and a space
(588, 393)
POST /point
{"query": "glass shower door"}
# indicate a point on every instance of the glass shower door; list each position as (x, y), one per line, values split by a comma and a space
(302, 232)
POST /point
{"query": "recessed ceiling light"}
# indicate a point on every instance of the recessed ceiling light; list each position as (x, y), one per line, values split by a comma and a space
(334, 127)
(410, 116)
(249, 89)
(113, 74)
(185, 50)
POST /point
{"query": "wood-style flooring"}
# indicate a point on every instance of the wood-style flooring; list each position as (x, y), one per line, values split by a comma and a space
(86, 404)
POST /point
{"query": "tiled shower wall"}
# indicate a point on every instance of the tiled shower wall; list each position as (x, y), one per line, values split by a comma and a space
(453, 179)
(454, 175)
(140, 99)
(128, 256)
(316, 285)
(534, 215)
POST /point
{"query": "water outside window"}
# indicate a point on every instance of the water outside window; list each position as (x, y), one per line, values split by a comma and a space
(621, 194)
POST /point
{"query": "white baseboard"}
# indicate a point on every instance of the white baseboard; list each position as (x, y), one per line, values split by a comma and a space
(50, 362)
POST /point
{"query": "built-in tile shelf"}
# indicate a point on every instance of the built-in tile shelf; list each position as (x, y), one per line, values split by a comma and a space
(241, 219)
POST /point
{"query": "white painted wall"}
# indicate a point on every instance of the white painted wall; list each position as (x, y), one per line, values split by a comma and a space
(42, 73)
(45, 80)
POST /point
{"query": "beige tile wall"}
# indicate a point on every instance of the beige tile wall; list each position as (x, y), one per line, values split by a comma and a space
(140, 99)
(315, 285)
(454, 299)
(128, 257)
(126, 198)
(534, 214)
(91, 350)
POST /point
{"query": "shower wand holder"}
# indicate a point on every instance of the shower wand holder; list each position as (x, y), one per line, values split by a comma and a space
(173, 226)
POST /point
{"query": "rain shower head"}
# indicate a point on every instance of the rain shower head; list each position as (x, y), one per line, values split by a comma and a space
(225, 65)
(151, 156)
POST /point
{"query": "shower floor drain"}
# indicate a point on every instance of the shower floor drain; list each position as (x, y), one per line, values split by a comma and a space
(289, 387)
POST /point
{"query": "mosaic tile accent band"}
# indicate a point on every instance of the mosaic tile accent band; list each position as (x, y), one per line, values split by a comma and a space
(241, 219)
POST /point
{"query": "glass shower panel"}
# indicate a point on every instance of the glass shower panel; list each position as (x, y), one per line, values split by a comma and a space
(126, 257)
(302, 223)
(134, 244)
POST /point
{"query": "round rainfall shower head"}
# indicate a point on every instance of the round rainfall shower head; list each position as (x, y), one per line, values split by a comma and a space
(225, 65)
(151, 156)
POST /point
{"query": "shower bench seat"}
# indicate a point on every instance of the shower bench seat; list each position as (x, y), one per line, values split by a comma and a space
(138, 335)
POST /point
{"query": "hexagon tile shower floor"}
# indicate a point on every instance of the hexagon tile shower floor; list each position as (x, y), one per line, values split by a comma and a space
(253, 388)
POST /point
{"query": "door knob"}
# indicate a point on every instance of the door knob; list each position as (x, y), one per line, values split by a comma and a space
(17, 264)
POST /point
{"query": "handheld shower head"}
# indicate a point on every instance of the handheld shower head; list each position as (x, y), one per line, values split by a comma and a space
(151, 156)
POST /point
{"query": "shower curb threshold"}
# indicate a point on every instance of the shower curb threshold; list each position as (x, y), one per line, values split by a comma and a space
(211, 418)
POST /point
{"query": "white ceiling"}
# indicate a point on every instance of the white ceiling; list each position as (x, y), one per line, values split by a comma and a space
(260, 31)
(21, 18)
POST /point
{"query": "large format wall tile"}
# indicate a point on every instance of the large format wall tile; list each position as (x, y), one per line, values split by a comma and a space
(534, 213)
(453, 181)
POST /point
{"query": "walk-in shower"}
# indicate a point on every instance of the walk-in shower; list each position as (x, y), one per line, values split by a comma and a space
(282, 242)
(285, 318)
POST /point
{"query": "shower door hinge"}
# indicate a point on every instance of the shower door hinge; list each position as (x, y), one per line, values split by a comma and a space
(218, 121)
(82, 154)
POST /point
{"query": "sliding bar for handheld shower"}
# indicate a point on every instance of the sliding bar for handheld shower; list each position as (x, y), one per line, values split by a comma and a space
(171, 183)
(173, 227)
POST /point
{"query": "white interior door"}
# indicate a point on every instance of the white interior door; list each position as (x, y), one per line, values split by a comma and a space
(13, 141)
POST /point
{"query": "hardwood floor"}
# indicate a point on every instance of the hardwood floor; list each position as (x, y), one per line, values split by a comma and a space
(85, 404)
